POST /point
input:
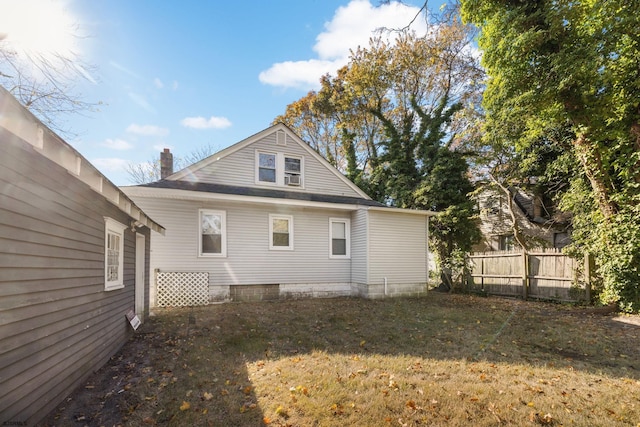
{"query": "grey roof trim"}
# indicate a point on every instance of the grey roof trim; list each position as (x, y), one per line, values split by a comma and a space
(260, 192)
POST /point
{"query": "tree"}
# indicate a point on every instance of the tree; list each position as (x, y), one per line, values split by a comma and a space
(396, 110)
(149, 171)
(554, 64)
(336, 126)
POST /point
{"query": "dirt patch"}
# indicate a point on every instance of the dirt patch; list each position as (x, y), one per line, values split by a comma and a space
(105, 399)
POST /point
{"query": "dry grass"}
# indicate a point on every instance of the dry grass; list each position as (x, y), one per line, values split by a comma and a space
(441, 360)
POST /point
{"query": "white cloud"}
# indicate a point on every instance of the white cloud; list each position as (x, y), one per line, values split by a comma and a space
(299, 74)
(158, 83)
(174, 86)
(117, 144)
(147, 130)
(203, 123)
(110, 164)
(351, 26)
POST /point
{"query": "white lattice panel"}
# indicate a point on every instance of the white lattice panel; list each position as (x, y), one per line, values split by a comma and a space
(181, 289)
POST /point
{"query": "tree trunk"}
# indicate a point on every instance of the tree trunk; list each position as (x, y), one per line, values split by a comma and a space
(599, 178)
(517, 234)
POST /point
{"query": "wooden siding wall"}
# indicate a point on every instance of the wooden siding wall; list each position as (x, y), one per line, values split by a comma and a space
(249, 260)
(397, 248)
(57, 324)
(238, 169)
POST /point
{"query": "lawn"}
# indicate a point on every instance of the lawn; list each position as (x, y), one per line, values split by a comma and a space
(454, 360)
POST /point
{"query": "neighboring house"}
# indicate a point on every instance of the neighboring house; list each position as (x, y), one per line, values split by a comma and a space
(74, 252)
(541, 225)
(269, 218)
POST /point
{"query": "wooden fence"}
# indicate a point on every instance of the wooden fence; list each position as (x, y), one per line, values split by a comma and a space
(542, 274)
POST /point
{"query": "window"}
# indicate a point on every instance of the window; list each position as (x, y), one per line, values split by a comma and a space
(339, 238)
(560, 240)
(279, 169)
(292, 171)
(506, 242)
(492, 206)
(280, 232)
(113, 254)
(213, 231)
(266, 167)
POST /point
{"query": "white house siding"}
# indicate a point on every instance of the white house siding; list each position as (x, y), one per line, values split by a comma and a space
(57, 323)
(397, 252)
(238, 168)
(359, 251)
(307, 270)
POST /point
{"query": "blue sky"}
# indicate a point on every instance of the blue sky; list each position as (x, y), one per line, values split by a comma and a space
(187, 74)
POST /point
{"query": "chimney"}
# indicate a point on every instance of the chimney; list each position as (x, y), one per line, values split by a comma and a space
(166, 163)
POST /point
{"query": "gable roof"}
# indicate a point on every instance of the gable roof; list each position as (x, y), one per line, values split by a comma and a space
(189, 170)
(19, 121)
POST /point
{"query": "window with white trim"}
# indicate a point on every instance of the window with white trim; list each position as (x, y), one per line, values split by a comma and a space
(339, 238)
(212, 241)
(267, 167)
(276, 168)
(113, 254)
(280, 232)
(292, 171)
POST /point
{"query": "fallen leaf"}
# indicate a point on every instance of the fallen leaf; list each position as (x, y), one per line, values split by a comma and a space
(207, 396)
(282, 412)
(185, 405)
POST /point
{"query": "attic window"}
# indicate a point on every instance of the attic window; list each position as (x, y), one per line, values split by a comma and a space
(292, 171)
(267, 167)
(279, 169)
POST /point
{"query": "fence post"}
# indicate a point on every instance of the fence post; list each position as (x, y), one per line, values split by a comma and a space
(525, 274)
(587, 276)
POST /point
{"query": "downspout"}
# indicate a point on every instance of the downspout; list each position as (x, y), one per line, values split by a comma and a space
(385, 286)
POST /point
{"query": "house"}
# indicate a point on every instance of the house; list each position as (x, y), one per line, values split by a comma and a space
(269, 218)
(74, 256)
(539, 222)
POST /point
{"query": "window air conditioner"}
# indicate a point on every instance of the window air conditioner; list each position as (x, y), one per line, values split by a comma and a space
(293, 180)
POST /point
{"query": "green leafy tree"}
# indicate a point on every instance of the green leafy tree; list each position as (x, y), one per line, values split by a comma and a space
(554, 64)
(396, 110)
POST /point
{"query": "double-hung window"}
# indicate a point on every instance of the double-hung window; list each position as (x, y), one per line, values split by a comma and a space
(113, 254)
(280, 232)
(213, 233)
(339, 239)
(292, 171)
(267, 167)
